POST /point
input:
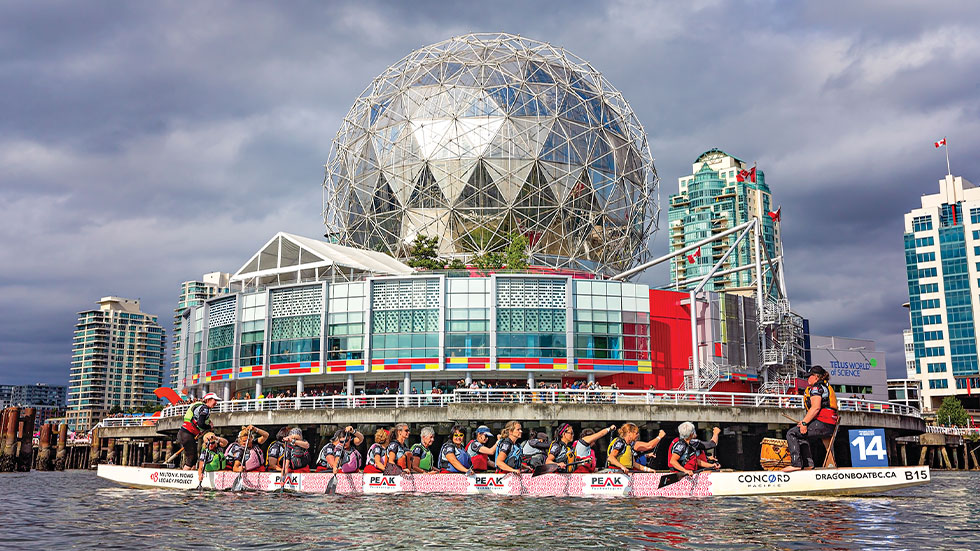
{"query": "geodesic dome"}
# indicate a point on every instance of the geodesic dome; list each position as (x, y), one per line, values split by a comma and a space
(484, 135)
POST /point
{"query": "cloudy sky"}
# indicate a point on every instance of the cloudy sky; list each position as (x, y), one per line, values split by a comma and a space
(144, 144)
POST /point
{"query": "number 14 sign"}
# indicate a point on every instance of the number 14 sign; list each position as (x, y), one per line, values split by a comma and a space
(868, 448)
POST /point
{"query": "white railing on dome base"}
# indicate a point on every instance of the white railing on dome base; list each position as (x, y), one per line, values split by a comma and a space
(127, 421)
(954, 431)
(544, 396)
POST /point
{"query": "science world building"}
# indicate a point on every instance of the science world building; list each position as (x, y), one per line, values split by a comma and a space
(470, 141)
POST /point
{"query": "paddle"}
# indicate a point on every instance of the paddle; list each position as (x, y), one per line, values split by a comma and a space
(331, 485)
(674, 478)
(549, 468)
(793, 419)
(238, 485)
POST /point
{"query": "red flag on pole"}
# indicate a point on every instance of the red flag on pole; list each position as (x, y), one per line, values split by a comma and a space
(775, 215)
(691, 257)
(742, 175)
(752, 174)
(940, 143)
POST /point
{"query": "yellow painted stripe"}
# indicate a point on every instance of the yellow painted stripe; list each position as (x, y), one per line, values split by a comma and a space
(504, 366)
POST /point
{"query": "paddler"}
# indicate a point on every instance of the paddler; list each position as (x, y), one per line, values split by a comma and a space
(452, 456)
(562, 451)
(297, 458)
(510, 456)
(818, 422)
(273, 457)
(398, 452)
(687, 452)
(583, 448)
(480, 454)
(248, 439)
(624, 447)
(197, 420)
(421, 455)
(346, 457)
(212, 456)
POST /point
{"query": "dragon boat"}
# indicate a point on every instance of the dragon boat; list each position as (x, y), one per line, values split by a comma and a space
(834, 482)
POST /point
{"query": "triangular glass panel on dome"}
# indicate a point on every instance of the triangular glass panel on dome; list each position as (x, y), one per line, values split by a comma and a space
(574, 108)
(402, 178)
(480, 191)
(536, 192)
(561, 178)
(451, 176)
(384, 198)
(556, 147)
(426, 194)
(508, 175)
(538, 72)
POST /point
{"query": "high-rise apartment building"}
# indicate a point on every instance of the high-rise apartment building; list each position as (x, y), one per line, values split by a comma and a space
(721, 192)
(942, 258)
(194, 293)
(47, 400)
(117, 360)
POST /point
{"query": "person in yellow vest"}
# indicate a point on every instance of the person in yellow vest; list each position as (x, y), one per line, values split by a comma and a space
(624, 448)
(818, 422)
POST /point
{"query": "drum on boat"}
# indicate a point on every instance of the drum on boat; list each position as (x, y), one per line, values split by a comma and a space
(774, 455)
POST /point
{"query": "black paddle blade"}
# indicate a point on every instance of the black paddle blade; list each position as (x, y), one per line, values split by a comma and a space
(669, 479)
(392, 468)
(331, 485)
(547, 468)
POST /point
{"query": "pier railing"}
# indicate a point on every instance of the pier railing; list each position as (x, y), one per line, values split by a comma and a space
(544, 396)
(954, 431)
(127, 421)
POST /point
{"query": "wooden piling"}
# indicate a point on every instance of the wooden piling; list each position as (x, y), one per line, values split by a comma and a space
(7, 461)
(905, 461)
(59, 457)
(110, 454)
(44, 449)
(26, 456)
(125, 454)
(155, 458)
(93, 458)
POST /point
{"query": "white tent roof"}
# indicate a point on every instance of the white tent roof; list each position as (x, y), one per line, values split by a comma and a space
(288, 253)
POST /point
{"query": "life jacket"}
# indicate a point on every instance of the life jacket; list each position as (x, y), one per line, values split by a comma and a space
(189, 424)
(424, 455)
(562, 452)
(376, 449)
(828, 405)
(479, 461)
(349, 460)
(299, 458)
(321, 460)
(590, 461)
(216, 461)
(515, 457)
(277, 450)
(625, 457)
(689, 455)
(458, 452)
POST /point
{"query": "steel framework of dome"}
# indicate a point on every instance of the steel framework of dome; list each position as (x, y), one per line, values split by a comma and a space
(483, 135)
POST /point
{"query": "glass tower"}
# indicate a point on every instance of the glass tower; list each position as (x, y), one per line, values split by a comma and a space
(942, 258)
(712, 199)
(117, 360)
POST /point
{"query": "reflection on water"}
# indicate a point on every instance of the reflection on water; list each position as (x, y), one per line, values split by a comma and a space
(77, 510)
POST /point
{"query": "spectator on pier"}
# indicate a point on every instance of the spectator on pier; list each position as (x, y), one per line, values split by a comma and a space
(687, 452)
(376, 456)
(197, 419)
(212, 456)
(248, 439)
(481, 456)
(624, 447)
(276, 451)
(818, 422)
(421, 455)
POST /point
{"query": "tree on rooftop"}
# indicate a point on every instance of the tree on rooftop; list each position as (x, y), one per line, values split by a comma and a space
(423, 253)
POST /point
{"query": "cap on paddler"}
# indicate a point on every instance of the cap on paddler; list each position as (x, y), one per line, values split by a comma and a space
(209, 396)
(483, 429)
(817, 370)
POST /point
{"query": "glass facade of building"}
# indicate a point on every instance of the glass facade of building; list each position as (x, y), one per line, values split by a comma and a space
(424, 324)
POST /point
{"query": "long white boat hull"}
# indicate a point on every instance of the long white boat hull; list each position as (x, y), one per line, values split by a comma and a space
(847, 481)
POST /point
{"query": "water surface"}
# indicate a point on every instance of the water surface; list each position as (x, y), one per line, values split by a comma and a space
(77, 510)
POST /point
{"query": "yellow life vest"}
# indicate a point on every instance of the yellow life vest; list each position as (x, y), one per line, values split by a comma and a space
(625, 458)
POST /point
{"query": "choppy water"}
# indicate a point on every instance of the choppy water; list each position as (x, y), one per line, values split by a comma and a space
(77, 510)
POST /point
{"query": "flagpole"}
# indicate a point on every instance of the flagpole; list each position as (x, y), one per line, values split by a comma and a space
(946, 143)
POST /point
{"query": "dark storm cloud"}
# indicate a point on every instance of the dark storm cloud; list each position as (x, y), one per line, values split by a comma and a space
(145, 144)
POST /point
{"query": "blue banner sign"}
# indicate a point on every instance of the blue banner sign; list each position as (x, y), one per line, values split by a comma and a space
(868, 448)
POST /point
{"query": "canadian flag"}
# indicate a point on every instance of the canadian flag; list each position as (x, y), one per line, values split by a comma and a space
(940, 143)
(692, 257)
(745, 175)
(752, 174)
(775, 215)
